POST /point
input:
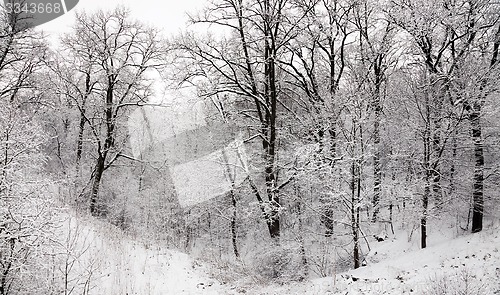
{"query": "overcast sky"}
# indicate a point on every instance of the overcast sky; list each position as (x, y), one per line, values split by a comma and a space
(167, 14)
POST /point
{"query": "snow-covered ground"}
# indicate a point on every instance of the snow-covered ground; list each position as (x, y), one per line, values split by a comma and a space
(103, 260)
(108, 262)
(465, 265)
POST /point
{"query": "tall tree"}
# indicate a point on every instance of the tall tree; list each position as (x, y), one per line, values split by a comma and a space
(248, 69)
(453, 38)
(316, 65)
(113, 55)
(24, 214)
(376, 40)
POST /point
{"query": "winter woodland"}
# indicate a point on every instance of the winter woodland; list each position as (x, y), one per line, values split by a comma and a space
(271, 147)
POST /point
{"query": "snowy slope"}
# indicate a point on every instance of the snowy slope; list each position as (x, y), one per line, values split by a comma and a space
(108, 262)
(105, 261)
(469, 264)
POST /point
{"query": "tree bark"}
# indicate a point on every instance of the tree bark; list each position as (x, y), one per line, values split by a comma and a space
(81, 126)
(231, 177)
(437, 146)
(475, 119)
(478, 198)
(273, 221)
(103, 151)
(234, 236)
(95, 210)
(79, 143)
(428, 173)
(425, 205)
(377, 107)
(355, 213)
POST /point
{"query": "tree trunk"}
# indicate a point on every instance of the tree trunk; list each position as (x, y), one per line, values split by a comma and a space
(81, 126)
(475, 119)
(355, 214)
(478, 201)
(428, 173)
(231, 177)
(301, 232)
(451, 189)
(327, 216)
(234, 236)
(96, 181)
(377, 171)
(271, 94)
(427, 189)
(79, 143)
(437, 142)
(273, 221)
(425, 205)
(108, 143)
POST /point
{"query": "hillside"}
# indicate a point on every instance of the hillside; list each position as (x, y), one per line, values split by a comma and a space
(115, 264)
(465, 265)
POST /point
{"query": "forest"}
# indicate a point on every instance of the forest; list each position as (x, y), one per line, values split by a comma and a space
(277, 141)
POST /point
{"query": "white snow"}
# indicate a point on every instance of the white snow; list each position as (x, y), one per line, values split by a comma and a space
(113, 263)
(406, 270)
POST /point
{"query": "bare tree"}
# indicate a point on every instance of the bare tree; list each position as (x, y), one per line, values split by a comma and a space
(248, 69)
(24, 209)
(454, 39)
(316, 64)
(113, 56)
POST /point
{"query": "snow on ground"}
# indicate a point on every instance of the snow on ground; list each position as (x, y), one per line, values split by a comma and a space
(108, 262)
(105, 261)
(469, 262)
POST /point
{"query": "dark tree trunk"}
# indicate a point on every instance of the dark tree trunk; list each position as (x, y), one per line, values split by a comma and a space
(437, 145)
(81, 126)
(234, 236)
(231, 177)
(423, 220)
(475, 119)
(451, 189)
(79, 143)
(377, 173)
(326, 217)
(95, 210)
(427, 192)
(301, 241)
(271, 94)
(103, 151)
(355, 187)
(266, 113)
(478, 201)
(355, 213)
(377, 107)
(273, 221)
(428, 173)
